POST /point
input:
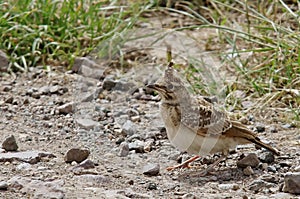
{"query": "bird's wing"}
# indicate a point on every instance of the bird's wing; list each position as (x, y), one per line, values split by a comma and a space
(205, 119)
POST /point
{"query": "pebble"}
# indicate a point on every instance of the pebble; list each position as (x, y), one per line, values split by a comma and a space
(249, 160)
(9, 100)
(4, 61)
(38, 188)
(229, 186)
(266, 157)
(77, 155)
(260, 128)
(86, 164)
(151, 169)
(108, 84)
(152, 186)
(124, 149)
(248, 171)
(137, 146)
(129, 128)
(31, 157)
(86, 123)
(273, 129)
(292, 183)
(66, 108)
(23, 166)
(257, 185)
(271, 169)
(3, 185)
(10, 144)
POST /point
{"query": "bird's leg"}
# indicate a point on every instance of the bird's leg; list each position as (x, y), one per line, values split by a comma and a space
(209, 169)
(184, 164)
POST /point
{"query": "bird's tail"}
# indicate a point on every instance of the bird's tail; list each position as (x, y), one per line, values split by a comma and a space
(250, 136)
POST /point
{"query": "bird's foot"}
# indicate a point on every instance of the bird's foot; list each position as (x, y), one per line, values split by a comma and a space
(185, 164)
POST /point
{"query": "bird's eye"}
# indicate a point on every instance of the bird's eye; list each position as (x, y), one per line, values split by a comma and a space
(170, 87)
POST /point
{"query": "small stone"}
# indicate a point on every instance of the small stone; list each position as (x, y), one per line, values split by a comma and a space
(257, 185)
(248, 171)
(9, 100)
(229, 186)
(77, 155)
(10, 144)
(260, 128)
(4, 62)
(281, 196)
(66, 108)
(152, 186)
(124, 149)
(129, 128)
(86, 123)
(296, 169)
(44, 90)
(7, 88)
(137, 145)
(286, 126)
(148, 145)
(86, 164)
(151, 169)
(108, 84)
(250, 160)
(3, 185)
(136, 118)
(271, 169)
(23, 166)
(264, 166)
(31, 157)
(292, 183)
(273, 129)
(124, 86)
(266, 157)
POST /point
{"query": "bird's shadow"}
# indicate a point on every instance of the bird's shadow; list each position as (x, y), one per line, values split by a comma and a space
(222, 175)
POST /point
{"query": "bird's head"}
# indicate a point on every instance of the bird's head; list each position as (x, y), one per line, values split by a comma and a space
(170, 87)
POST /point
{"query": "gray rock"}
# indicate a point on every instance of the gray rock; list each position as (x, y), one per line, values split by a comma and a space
(86, 164)
(124, 149)
(9, 100)
(38, 188)
(152, 186)
(273, 129)
(108, 84)
(266, 157)
(77, 155)
(151, 169)
(250, 160)
(66, 108)
(124, 86)
(3, 185)
(87, 68)
(45, 90)
(229, 186)
(129, 128)
(92, 179)
(10, 144)
(31, 157)
(258, 185)
(271, 169)
(292, 183)
(260, 128)
(3, 62)
(86, 123)
(281, 196)
(137, 145)
(248, 171)
(23, 166)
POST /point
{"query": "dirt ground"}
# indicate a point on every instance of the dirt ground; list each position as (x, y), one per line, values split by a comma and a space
(118, 121)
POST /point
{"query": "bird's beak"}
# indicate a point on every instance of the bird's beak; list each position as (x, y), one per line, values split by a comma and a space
(152, 86)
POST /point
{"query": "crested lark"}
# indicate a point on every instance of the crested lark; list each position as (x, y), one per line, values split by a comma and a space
(194, 125)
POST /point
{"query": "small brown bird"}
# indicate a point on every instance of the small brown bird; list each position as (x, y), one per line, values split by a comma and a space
(195, 125)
